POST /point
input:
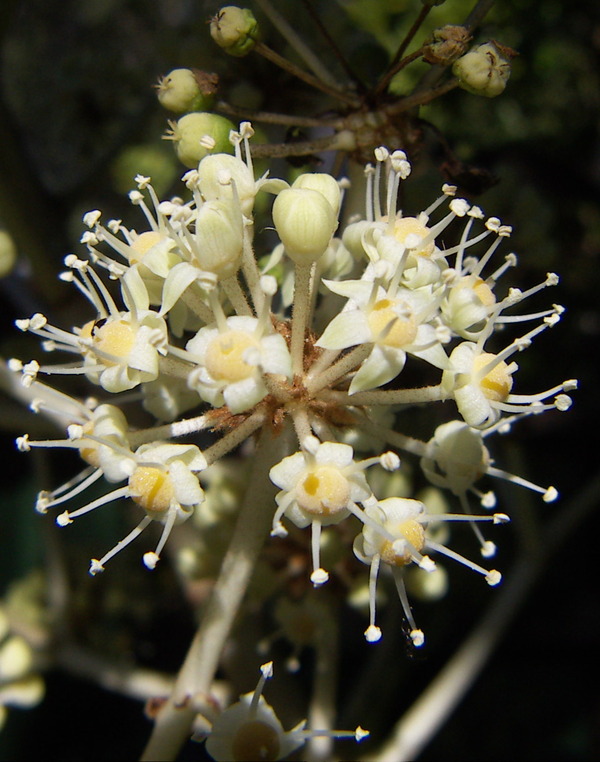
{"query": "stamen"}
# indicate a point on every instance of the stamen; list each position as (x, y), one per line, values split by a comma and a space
(97, 566)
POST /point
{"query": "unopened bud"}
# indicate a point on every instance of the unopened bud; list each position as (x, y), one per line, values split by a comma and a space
(197, 134)
(485, 69)
(326, 185)
(305, 222)
(219, 239)
(184, 90)
(235, 30)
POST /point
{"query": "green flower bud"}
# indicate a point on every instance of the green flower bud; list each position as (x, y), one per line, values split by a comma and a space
(325, 184)
(8, 253)
(305, 222)
(484, 70)
(184, 90)
(197, 134)
(235, 30)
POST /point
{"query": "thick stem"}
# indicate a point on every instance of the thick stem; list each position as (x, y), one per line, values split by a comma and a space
(174, 722)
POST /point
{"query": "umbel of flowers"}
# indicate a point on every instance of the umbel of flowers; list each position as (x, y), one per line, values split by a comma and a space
(300, 365)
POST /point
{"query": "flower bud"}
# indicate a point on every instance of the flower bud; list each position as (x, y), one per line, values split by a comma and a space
(235, 30)
(484, 70)
(184, 90)
(305, 222)
(219, 239)
(197, 134)
(215, 167)
(325, 184)
(8, 253)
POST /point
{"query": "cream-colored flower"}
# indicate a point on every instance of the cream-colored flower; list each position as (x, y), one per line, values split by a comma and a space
(232, 360)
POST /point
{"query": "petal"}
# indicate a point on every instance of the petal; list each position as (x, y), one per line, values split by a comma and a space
(334, 454)
(176, 282)
(244, 394)
(275, 357)
(135, 293)
(381, 366)
(347, 329)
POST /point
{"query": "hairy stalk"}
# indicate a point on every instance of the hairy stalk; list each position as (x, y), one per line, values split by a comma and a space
(173, 724)
(348, 362)
(300, 316)
(389, 397)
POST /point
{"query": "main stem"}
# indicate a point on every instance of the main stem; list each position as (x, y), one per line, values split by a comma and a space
(174, 723)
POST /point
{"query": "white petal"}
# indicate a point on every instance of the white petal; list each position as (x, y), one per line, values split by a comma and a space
(244, 394)
(275, 356)
(346, 330)
(180, 277)
(381, 366)
(334, 454)
(135, 293)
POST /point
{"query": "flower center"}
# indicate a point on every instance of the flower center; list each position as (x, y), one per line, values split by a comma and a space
(152, 488)
(496, 384)
(224, 358)
(410, 226)
(401, 332)
(255, 741)
(410, 530)
(113, 337)
(142, 244)
(483, 292)
(324, 491)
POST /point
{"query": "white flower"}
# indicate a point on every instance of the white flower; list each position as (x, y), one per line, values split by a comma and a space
(395, 322)
(232, 359)
(394, 532)
(250, 730)
(121, 351)
(161, 479)
(319, 486)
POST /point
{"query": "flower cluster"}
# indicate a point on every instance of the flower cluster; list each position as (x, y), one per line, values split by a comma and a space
(310, 351)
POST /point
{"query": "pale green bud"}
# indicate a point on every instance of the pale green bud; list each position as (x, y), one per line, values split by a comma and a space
(235, 30)
(325, 184)
(184, 90)
(305, 222)
(484, 70)
(215, 174)
(197, 134)
(8, 253)
(219, 239)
